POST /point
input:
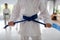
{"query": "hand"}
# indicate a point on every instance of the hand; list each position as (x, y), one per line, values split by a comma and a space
(48, 25)
(11, 23)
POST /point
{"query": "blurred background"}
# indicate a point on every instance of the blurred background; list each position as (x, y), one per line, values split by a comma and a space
(53, 6)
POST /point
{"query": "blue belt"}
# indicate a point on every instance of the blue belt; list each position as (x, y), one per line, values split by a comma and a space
(26, 18)
(32, 18)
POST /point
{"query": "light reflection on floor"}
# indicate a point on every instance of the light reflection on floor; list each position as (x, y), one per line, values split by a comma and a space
(46, 33)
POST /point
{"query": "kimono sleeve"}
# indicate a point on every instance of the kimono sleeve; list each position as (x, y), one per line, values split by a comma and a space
(44, 13)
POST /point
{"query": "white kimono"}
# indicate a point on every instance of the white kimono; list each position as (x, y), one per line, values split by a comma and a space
(6, 14)
(29, 8)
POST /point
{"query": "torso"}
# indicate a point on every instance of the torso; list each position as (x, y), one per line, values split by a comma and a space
(5, 11)
(30, 7)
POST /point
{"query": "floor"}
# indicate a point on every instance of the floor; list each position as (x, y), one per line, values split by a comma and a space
(46, 33)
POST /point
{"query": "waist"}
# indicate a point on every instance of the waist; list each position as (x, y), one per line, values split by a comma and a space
(29, 12)
(29, 18)
(6, 13)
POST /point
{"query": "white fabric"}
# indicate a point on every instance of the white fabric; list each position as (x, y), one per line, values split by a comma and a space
(6, 11)
(29, 8)
(32, 37)
(24, 37)
(6, 17)
(36, 37)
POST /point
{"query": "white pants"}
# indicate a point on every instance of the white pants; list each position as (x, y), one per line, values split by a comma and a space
(6, 18)
(32, 37)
